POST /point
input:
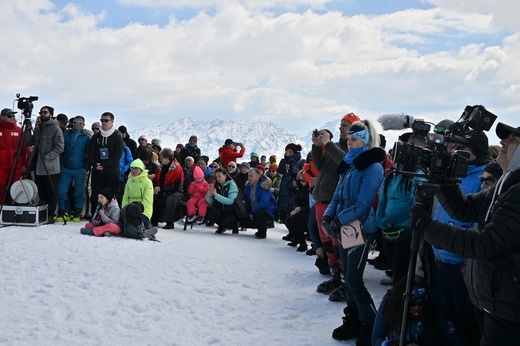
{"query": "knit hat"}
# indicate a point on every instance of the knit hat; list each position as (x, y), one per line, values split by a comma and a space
(228, 141)
(294, 147)
(179, 146)
(143, 137)
(494, 169)
(273, 166)
(95, 125)
(360, 133)
(478, 142)
(193, 137)
(197, 173)
(107, 192)
(253, 154)
(261, 168)
(122, 129)
(351, 118)
(137, 163)
(245, 164)
(272, 158)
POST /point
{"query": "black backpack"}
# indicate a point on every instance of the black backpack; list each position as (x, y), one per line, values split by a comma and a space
(131, 222)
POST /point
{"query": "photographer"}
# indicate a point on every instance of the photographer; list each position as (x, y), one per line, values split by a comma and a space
(450, 267)
(494, 248)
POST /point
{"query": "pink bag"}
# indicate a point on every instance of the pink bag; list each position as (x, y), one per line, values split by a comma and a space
(352, 235)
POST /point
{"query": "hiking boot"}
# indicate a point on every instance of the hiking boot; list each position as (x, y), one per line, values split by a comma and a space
(365, 335)
(86, 231)
(220, 230)
(260, 235)
(293, 244)
(311, 251)
(169, 225)
(200, 220)
(192, 218)
(350, 328)
(270, 223)
(76, 216)
(329, 285)
(210, 223)
(62, 217)
(287, 237)
(338, 295)
(302, 247)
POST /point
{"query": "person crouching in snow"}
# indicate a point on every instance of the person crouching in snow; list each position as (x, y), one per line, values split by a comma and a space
(197, 192)
(106, 218)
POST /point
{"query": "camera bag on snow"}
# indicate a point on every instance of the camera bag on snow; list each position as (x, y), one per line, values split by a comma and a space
(131, 222)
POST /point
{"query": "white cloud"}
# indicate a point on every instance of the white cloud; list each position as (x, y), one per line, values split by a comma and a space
(297, 69)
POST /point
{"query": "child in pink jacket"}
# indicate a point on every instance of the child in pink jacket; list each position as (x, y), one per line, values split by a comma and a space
(197, 202)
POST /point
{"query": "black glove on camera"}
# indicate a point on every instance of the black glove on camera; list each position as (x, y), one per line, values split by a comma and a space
(419, 219)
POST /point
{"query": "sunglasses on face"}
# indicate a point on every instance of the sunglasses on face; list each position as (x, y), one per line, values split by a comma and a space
(95, 129)
(104, 120)
(232, 166)
(9, 116)
(214, 166)
(75, 122)
(272, 171)
(489, 181)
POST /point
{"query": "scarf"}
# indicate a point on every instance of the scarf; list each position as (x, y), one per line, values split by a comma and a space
(353, 153)
(106, 134)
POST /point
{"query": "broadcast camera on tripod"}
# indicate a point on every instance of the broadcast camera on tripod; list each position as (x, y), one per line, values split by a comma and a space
(24, 192)
(440, 162)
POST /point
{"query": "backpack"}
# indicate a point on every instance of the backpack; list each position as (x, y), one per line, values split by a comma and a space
(131, 222)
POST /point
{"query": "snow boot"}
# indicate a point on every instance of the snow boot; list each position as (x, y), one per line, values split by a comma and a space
(330, 285)
(350, 328)
(365, 335)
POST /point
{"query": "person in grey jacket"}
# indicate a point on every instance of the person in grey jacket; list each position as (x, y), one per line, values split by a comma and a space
(48, 145)
(493, 277)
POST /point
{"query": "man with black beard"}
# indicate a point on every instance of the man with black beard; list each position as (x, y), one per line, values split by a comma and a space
(105, 150)
(48, 145)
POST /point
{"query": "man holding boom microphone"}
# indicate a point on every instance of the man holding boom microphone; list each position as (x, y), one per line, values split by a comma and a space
(494, 247)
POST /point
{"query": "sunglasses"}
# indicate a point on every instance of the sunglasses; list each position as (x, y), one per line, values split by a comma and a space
(104, 120)
(95, 129)
(214, 166)
(75, 122)
(142, 139)
(9, 116)
(272, 171)
(489, 181)
(232, 166)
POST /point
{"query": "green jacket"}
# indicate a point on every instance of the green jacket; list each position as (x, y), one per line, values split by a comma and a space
(140, 189)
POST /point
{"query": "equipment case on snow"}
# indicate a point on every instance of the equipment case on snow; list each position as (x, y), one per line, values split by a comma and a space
(24, 215)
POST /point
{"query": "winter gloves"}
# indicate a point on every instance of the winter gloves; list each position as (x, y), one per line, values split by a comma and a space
(330, 226)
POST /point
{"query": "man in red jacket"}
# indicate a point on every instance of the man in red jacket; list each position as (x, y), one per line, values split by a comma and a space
(10, 134)
(228, 152)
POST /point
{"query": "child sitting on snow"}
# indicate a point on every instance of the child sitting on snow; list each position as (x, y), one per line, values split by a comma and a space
(106, 218)
(197, 202)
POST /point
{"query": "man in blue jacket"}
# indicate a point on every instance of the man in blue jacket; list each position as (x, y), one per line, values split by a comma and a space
(450, 267)
(73, 166)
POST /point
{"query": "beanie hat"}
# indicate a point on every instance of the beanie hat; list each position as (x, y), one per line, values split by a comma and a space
(228, 141)
(478, 142)
(272, 158)
(137, 163)
(245, 164)
(197, 173)
(155, 157)
(143, 137)
(350, 117)
(494, 169)
(294, 147)
(96, 124)
(261, 168)
(122, 129)
(273, 166)
(179, 146)
(360, 133)
(107, 192)
(253, 154)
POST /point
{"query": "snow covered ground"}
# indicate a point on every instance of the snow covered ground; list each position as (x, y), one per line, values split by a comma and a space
(193, 288)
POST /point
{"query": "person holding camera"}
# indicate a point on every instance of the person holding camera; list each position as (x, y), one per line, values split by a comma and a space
(494, 247)
(229, 153)
(450, 267)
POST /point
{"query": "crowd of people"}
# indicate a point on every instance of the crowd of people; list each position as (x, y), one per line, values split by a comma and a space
(465, 290)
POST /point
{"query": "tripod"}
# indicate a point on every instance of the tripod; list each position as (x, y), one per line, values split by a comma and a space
(25, 124)
(424, 193)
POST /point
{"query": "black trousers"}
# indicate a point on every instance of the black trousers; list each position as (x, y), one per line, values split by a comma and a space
(259, 221)
(297, 226)
(226, 220)
(47, 186)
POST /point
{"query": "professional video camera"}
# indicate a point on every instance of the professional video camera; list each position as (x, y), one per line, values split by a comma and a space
(440, 165)
(25, 104)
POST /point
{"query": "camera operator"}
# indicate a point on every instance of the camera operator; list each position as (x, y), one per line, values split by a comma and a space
(450, 267)
(494, 249)
(10, 134)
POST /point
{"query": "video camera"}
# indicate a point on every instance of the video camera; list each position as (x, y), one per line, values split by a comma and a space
(25, 104)
(440, 165)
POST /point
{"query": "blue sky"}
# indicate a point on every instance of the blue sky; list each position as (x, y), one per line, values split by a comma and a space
(237, 59)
